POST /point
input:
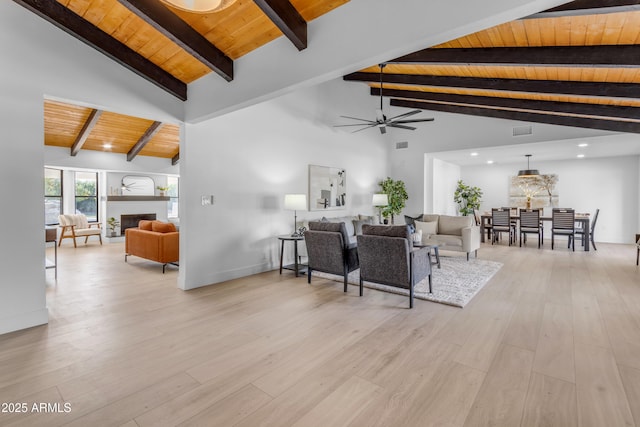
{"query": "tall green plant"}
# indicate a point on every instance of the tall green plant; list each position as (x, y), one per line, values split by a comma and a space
(397, 194)
(467, 198)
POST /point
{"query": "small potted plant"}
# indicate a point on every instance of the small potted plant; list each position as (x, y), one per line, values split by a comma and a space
(113, 223)
(162, 190)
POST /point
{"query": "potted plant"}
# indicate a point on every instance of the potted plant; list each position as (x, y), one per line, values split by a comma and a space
(113, 223)
(467, 198)
(397, 195)
(162, 190)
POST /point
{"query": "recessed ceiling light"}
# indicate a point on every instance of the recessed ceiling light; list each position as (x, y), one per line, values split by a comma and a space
(107, 146)
(583, 144)
(489, 162)
(474, 154)
(580, 156)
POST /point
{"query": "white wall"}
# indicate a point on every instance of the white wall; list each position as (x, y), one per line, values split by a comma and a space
(249, 159)
(445, 181)
(45, 61)
(609, 183)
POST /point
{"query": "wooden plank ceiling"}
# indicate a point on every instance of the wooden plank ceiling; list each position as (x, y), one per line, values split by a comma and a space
(171, 47)
(83, 128)
(575, 65)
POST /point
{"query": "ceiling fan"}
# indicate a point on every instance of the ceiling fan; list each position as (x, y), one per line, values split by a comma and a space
(382, 122)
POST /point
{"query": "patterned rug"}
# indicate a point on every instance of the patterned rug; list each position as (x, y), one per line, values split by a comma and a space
(454, 284)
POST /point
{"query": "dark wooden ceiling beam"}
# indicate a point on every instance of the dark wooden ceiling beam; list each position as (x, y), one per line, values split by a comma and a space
(144, 139)
(581, 122)
(181, 33)
(610, 56)
(611, 90)
(63, 18)
(88, 126)
(287, 19)
(613, 111)
(588, 7)
(175, 159)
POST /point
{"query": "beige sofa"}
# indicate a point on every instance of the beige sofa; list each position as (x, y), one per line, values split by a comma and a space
(455, 233)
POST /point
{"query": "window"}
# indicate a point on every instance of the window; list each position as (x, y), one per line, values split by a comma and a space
(172, 207)
(52, 195)
(87, 194)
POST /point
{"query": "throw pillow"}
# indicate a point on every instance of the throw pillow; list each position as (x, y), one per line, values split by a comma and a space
(427, 228)
(162, 227)
(144, 225)
(358, 223)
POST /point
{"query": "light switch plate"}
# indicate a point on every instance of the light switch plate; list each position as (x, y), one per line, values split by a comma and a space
(207, 200)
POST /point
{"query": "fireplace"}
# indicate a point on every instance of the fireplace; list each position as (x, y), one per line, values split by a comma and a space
(131, 221)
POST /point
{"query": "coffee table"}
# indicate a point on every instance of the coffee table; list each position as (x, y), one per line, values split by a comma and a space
(433, 245)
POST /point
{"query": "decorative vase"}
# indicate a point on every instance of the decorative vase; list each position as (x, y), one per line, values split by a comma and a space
(528, 202)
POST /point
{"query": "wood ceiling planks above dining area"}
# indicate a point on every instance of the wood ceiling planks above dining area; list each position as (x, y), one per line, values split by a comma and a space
(575, 65)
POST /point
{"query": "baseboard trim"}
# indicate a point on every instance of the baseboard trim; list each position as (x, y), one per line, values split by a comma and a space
(24, 321)
(223, 276)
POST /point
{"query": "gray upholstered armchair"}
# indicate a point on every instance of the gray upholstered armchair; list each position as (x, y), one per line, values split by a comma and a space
(328, 250)
(387, 256)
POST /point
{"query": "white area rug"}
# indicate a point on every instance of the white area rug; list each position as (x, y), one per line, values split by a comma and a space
(454, 284)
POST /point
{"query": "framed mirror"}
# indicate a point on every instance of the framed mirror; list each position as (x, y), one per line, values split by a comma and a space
(327, 188)
(135, 185)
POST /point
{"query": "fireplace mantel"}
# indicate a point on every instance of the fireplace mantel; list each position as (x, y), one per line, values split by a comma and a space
(137, 199)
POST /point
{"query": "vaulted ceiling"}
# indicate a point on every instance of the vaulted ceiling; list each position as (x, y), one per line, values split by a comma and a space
(171, 47)
(574, 65)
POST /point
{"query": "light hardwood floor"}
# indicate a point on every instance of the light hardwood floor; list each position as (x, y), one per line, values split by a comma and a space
(552, 340)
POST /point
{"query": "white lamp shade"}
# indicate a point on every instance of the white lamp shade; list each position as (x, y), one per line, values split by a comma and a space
(295, 202)
(380, 200)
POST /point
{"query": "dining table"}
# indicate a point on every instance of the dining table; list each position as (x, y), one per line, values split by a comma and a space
(582, 219)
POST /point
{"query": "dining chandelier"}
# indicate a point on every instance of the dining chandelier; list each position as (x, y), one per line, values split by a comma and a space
(200, 6)
(528, 172)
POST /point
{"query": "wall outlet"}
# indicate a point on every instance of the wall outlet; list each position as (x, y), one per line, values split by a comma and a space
(207, 200)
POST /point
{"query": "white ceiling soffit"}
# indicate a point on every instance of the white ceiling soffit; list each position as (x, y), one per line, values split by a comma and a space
(355, 35)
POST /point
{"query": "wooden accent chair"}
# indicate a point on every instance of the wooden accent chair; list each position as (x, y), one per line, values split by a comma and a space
(77, 225)
(563, 224)
(387, 256)
(530, 224)
(329, 250)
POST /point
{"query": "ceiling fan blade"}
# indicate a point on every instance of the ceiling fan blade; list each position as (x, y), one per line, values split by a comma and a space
(414, 120)
(366, 127)
(356, 118)
(395, 125)
(410, 113)
(356, 124)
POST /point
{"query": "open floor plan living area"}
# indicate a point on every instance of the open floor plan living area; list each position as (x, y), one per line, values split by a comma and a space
(320, 213)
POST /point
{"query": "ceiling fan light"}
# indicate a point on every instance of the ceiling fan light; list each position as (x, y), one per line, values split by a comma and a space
(200, 6)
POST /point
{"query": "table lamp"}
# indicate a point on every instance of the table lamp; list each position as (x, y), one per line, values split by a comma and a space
(380, 200)
(295, 202)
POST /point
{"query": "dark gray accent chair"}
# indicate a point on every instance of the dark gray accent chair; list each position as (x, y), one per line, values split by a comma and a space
(387, 256)
(329, 250)
(530, 224)
(563, 224)
(580, 231)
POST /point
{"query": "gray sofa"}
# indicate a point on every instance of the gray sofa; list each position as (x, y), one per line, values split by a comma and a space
(455, 233)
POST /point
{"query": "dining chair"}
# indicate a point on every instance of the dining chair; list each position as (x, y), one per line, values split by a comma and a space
(563, 224)
(530, 224)
(487, 226)
(501, 221)
(580, 231)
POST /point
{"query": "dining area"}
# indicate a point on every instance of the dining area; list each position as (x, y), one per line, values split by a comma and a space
(513, 225)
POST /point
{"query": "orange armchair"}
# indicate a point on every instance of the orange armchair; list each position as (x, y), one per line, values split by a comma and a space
(153, 240)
